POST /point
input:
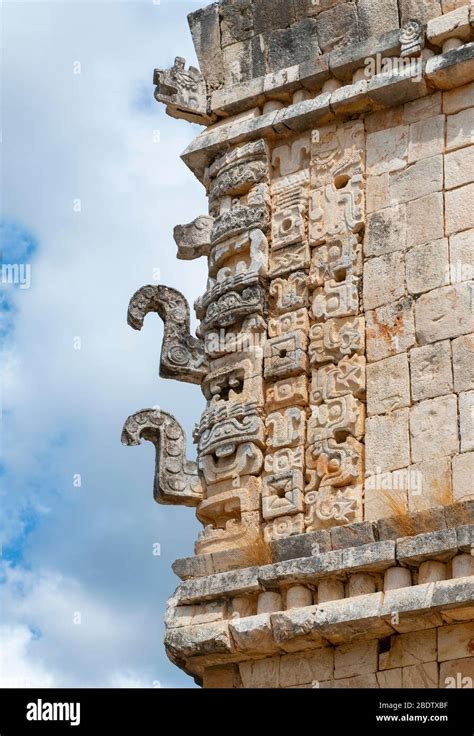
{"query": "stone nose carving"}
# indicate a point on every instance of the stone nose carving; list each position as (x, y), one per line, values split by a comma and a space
(182, 355)
(194, 239)
(176, 478)
(183, 91)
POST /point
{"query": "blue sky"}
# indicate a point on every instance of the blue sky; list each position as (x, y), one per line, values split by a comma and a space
(89, 202)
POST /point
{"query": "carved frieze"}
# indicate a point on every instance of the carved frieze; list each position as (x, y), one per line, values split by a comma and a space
(183, 91)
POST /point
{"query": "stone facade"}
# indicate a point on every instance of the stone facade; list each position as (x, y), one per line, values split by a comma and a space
(335, 456)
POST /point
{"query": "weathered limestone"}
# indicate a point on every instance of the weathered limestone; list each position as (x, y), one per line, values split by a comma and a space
(335, 346)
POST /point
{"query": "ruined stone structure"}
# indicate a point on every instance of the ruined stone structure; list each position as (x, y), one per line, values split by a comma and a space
(335, 457)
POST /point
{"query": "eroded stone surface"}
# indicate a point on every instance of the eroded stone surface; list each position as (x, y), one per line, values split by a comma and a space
(334, 347)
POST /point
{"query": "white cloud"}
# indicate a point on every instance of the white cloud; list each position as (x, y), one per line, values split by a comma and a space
(90, 136)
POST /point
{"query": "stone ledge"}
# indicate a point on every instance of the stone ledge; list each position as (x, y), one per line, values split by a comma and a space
(366, 617)
(353, 535)
(443, 71)
(371, 558)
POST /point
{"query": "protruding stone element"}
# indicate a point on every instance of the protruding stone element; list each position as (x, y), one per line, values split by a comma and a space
(330, 589)
(463, 566)
(361, 584)
(194, 240)
(431, 571)
(176, 479)
(183, 91)
(182, 356)
(269, 602)
(412, 38)
(298, 596)
(396, 577)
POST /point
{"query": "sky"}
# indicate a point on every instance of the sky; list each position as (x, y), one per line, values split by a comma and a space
(92, 186)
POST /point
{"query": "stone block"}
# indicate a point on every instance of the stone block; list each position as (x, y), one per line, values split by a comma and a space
(456, 641)
(237, 582)
(451, 69)
(360, 682)
(253, 634)
(459, 205)
(431, 371)
(409, 609)
(443, 313)
(388, 385)
(460, 129)
(463, 363)
(434, 428)
(337, 26)
(409, 649)
(460, 98)
(361, 583)
(450, 597)
(420, 676)
(425, 219)
(377, 193)
(300, 669)
(390, 329)
(401, 525)
(396, 578)
(340, 621)
(457, 673)
(460, 513)
(440, 546)
(307, 569)
(193, 641)
(427, 266)
(301, 545)
(459, 167)
(193, 567)
(454, 24)
(288, 46)
(423, 108)
(463, 477)
(466, 421)
(205, 29)
(418, 180)
(358, 658)
(386, 231)
(461, 266)
(224, 676)
(384, 279)
(236, 21)
(387, 442)
(353, 535)
(387, 150)
(377, 18)
(431, 484)
(466, 545)
(376, 557)
(261, 673)
(426, 138)
(382, 119)
(390, 678)
(385, 493)
(422, 10)
(295, 630)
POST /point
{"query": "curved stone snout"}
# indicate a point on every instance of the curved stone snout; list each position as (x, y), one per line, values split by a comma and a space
(176, 478)
(194, 239)
(182, 355)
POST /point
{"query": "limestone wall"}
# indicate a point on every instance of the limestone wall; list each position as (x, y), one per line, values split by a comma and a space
(335, 456)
